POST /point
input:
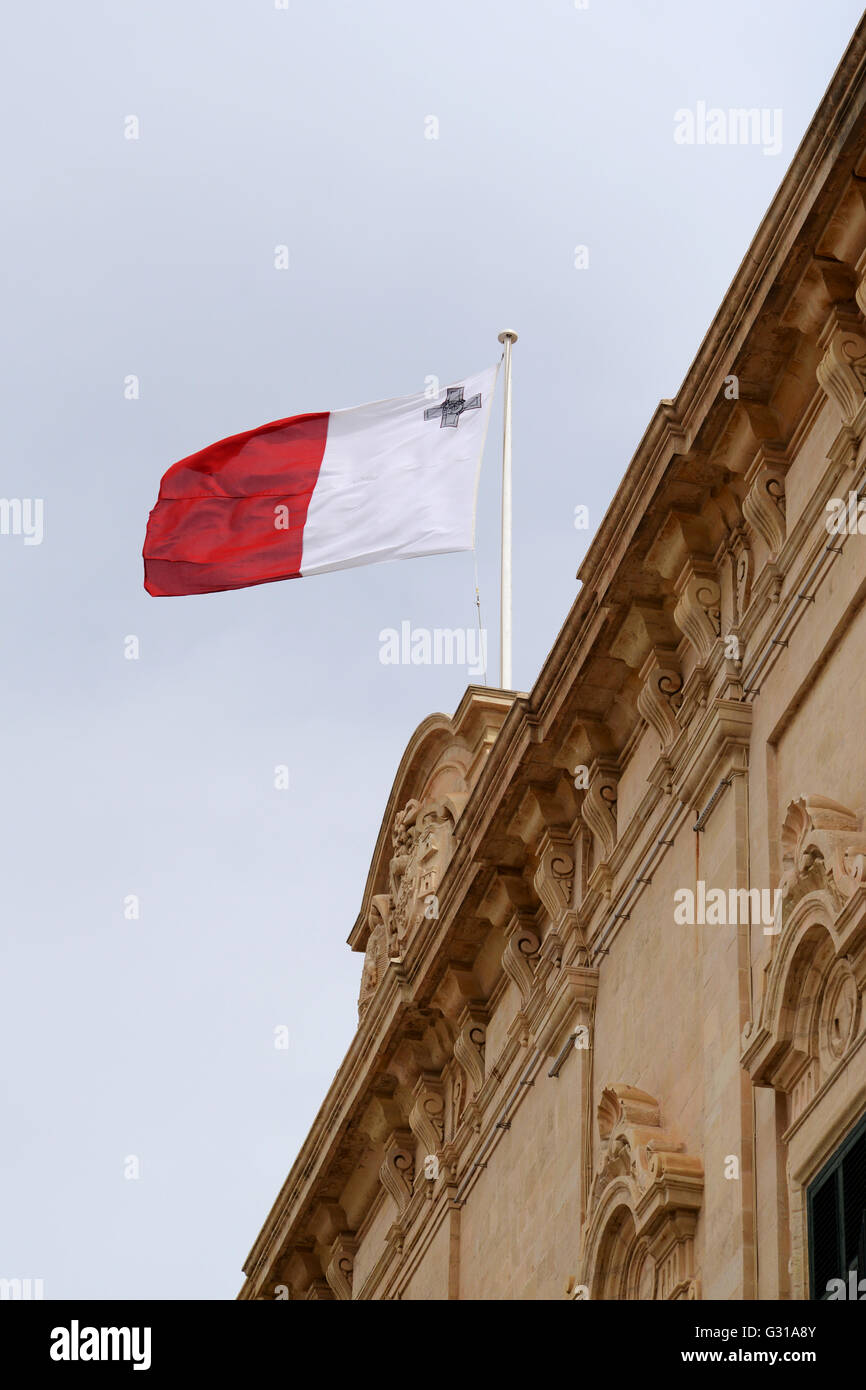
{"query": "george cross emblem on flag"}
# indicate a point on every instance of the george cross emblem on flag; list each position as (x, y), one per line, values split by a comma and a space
(452, 407)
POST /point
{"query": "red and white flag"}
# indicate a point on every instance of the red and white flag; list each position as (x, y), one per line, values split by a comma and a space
(387, 481)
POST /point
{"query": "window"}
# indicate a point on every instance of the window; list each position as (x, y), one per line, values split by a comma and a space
(836, 1205)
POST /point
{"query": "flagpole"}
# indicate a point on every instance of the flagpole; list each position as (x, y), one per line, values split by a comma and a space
(507, 337)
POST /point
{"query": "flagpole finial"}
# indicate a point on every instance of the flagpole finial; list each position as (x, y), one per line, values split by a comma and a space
(507, 335)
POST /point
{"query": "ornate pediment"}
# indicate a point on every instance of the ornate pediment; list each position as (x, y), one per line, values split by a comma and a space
(645, 1198)
(636, 1146)
(810, 1008)
(416, 842)
(423, 843)
(818, 833)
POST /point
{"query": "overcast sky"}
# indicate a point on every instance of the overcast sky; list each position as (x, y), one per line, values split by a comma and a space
(152, 1038)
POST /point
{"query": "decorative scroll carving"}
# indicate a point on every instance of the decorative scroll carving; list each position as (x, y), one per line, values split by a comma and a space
(423, 842)
(818, 829)
(649, 1253)
(554, 876)
(398, 1167)
(340, 1266)
(764, 506)
(841, 372)
(376, 959)
(519, 957)
(469, 1046)
(743, 562)
(811, 1006)
(697, 613)
(599, 805)
(660, 696)
(427, 1116)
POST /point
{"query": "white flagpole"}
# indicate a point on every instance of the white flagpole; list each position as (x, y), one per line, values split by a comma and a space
(507, 337)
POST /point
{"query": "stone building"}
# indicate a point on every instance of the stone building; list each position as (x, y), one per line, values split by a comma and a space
(611, 1041)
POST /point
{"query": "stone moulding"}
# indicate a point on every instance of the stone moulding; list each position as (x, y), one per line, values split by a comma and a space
(639, 1237)
(810, 1009)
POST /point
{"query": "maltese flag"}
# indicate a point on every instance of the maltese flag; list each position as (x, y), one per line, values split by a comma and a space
(312, 493)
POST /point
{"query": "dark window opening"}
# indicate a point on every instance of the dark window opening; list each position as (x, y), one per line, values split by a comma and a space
(836, 1209)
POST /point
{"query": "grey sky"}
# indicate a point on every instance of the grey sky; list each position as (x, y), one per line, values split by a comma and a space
(155, 257)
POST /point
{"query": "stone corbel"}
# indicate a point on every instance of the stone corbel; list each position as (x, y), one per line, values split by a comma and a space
(427, 1115)
(647, 644)
(764, 503)
(660, 697)
(841, 372)
(470, 1043)
(682, 554)
(398, 1167)
(553, 879)
(340, 1267)
(697, 613)
(599, 805)
(520, 956)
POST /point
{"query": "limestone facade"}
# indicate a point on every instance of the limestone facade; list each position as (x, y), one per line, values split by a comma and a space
(557, 1089)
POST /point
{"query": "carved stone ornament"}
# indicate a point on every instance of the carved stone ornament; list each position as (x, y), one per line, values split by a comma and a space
(553, 879)
(398, 1167)
(764, 506)
(697, 613)
(469, 1047)
(520, 957)
(810, 1007)
(645, 1198)
(423, 842)
(340, 1266)
(660, 696)
(743, 562)
(376, 959)
(841, 372)
(599, 805)
(427, 1116)
(818, 832)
